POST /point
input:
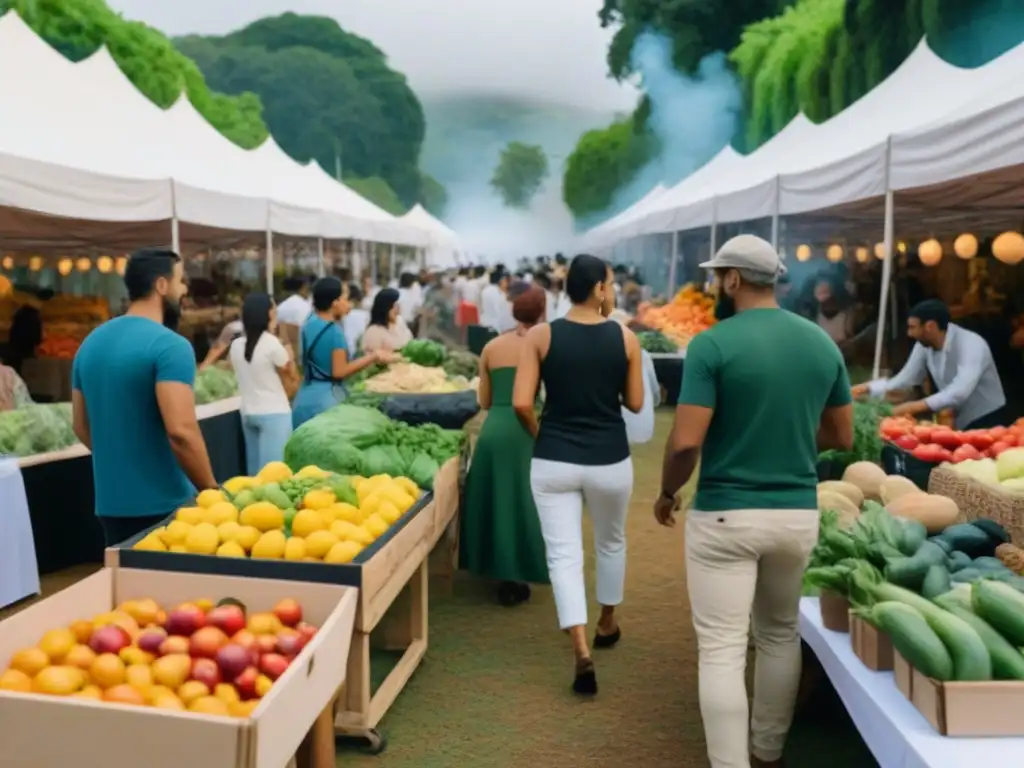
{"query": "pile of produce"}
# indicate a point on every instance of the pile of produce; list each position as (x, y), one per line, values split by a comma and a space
(689, 313)
(461, 363)
(1005, 472)
(354, 440)
(196, 657)
(425, 352)
(37, 428)
(936, 443)
(312, 515)
(411, 378)
(868, 415)
(59, 347)
(215, 383)
(657, 343)
(949, 595)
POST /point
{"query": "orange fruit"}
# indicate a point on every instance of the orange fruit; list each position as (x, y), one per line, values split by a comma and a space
(168, 701)
(209, 705)
(56, 643)
(243, 708)
(139, 676)
(59, 681)
(226, 692)
(107, 670)
(89, 692)
(205, 604)
(15, 680)
(154, 692)
(81, 656)
(31, 661)
(124, 694)
(82, 630)
(192, 690)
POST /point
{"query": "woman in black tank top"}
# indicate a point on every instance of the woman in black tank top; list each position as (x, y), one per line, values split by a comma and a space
(590, 367)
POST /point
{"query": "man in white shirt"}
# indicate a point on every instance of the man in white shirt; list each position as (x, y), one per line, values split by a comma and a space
(476, 285)
(355, 322)
(960, 363)
(296, 308)
(494, 305)
(409, 300)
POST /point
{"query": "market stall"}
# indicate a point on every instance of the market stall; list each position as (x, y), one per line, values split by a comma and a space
(64, 525)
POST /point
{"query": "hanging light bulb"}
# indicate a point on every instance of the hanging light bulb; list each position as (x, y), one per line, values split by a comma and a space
(862, 255)
(35, 264)
(64, 266)
(8, 262)
(966, 246)
(930, 252)
(880, 251)
(84, 264)
(803, 252)
(121, 264)
(835, 253)
(901, 247)
(1009, 248)
(104, 264)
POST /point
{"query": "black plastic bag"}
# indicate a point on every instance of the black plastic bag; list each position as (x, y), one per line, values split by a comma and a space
(450, 410)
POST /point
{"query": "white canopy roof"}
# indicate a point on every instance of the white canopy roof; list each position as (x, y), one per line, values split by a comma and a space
(607, 232)
(808, 167)
(79, 141)
(445, 245)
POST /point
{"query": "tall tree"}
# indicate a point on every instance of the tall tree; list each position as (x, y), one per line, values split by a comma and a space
(519, 174)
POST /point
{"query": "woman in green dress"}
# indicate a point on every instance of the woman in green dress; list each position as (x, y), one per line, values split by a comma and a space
(501, 538)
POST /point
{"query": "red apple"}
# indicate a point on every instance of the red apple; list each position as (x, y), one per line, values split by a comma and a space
(289, 612)
(228, 618)
(206, 642)
(151, 639)
(306, 630)
(233, 660)
(109, 639)
(290, 643)
(246, 683)
(185, 620)
(273, 665)
(266, 644)
(206, 672)
(172, 645)
(247, 640)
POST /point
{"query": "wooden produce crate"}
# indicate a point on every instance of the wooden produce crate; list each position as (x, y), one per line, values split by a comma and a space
(976, 499)
(835, 611)
(39, 730)
(871, 646)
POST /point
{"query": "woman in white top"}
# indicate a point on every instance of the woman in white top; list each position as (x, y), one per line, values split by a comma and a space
(266, 381)
(387, 330)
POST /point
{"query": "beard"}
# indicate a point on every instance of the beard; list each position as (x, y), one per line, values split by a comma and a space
(172, 315)
(725, 307)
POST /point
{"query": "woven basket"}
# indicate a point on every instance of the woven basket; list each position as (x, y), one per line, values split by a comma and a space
(976, 499)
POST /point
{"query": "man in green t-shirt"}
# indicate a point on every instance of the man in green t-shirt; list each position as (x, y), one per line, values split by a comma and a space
(763, 391)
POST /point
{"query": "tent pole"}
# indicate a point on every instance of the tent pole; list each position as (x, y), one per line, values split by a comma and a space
(270, 261)
(374, 266)
(888, 231)
(393, 264)
(321, 268)
(175, 233)
(356, 266)
(714, 238)
(672, 264)
(775, 213)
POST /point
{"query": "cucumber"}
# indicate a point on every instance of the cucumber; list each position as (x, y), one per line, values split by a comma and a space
(914, 535)
(958, 561)
(944, 543)
(916, 641)
(989, 564)
(936, 582)
(1002, 606)
(1007, 661)
(931, 553)
(907, 572)
(959, 596)
(994, 530)
(971, 660)
(967, 575)
(970, 540)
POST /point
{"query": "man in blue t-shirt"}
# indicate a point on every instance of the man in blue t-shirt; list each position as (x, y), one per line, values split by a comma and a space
(133, 404)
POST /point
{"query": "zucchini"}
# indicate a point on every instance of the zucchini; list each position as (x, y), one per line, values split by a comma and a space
(994, 530)
(916, 641)
(989, 565)
(1007, 661)
(936, 582)
(970, 540)
(907, 572)
(1002, 606)
(971, 660)
(914, 535)
(931, 553)
(959, 596)
(958, 561)
(967, 575)
(944, 543)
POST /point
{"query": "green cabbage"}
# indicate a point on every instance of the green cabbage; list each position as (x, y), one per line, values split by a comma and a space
(214, 384)
(422, 471)
(383, 460)
(36, 428)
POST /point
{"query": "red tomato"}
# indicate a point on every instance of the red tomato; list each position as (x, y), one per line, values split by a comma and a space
(997, 433)
(996, 448)
(923, 433)
(965, 452)
(907, 442)
(947, 438)
(1011, 439)
(932, 453)
(979, 438)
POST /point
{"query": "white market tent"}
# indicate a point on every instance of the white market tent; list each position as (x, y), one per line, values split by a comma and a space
(78, 141)
(445, 245)
(608, 231)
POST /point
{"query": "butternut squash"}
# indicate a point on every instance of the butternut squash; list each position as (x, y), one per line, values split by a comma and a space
(895, 486)
(849, 490)
(841, 505)
(867, 476)
(935, 512)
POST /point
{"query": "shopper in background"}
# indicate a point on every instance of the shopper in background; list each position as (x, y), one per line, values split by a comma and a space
(355, 322)
(495, 311)
(543, 280)
(326, 360)
(590, 367)
(27, 329)
(267, 380)
(754, 519)
(133, 405)
(370, 289)
(387, 331)
(410, 301)
(220, 347)
(296, 308)
(13, 391)
(501, 536)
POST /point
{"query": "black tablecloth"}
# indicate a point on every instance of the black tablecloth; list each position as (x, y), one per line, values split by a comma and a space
(670, 375)
(60, 496)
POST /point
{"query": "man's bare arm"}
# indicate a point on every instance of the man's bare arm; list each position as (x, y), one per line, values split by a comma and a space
(178, 409)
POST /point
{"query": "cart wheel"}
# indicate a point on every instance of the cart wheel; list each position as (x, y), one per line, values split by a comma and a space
(370, 742)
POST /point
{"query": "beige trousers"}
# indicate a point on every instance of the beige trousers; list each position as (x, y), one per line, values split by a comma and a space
(746, 566)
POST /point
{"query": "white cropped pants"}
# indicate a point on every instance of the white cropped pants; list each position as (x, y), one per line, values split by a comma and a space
(559, 492)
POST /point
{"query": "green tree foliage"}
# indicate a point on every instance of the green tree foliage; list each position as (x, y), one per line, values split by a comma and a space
(326, 93)
(378, 192)
(77, 28)
(519, 174)
(604, 161)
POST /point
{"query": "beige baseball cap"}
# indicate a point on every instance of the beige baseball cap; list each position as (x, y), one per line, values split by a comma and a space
(748, 252)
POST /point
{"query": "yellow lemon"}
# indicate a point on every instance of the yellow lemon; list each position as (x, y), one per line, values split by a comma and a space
(227, 531)
(295, 549)
(263, 516)
(380, 478)
(361, 536)
(312, 471)
(348, 513)
(408, 486)
(221, 512)
(355, 481)
(343, 529)
(274, 472)
(179, 548)
(209, 497)
(230, 549)
(190, 515)
(320, 499)
(270, 546)
(247, 536)
(176, 532)
(342, 552)
(374, 525)
(238, 484)
(319, 543)
(388, 512)
(369, 505)
(202, 539)
(151, 543)
(306, 521)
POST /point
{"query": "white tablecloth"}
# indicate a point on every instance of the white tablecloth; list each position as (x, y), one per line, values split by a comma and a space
(896, 733)
(19, 574)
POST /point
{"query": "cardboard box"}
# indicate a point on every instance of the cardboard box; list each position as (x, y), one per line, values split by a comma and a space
(871, 646)
(39, 731)
(964, 709)
(835, 611)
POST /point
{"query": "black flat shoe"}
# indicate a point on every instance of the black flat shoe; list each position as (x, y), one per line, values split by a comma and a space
(523, 592)
(607, 641)
(585, 683)
(508, 594)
